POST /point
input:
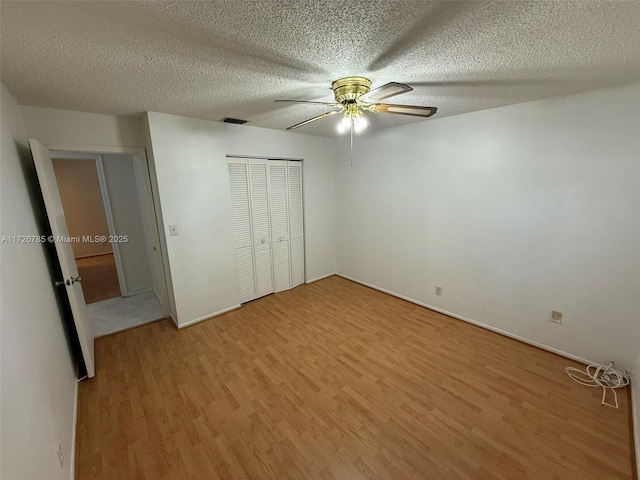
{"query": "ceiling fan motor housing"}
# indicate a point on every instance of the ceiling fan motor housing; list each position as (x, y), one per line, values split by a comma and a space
(349, 89)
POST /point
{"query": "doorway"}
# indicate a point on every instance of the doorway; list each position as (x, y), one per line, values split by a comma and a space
(106, 206)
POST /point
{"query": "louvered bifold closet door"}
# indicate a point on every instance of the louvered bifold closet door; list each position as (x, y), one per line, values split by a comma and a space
(278, 200)
(261, 226)
(241, 216)
(296, 222)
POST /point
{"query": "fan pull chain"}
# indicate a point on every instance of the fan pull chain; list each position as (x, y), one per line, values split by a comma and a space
(351, 151)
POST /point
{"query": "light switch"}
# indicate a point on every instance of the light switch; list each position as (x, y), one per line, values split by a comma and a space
(173, 230)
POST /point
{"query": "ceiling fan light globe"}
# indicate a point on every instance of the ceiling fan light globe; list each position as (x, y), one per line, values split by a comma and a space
(344, 125)
(360, 123)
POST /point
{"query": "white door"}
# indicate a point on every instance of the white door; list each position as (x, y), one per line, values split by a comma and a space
(296, 222)
(261, 226)
(55, 213)
(241, 216)
(279, 203)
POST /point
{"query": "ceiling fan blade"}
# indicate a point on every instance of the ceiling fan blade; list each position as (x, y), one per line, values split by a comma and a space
(327, 114)
(327, 104)
(413, 110)
(389, 90)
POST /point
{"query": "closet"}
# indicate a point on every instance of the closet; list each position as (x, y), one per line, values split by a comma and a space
(268, 224)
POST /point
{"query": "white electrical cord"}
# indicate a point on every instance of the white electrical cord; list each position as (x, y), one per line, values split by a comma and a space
(604, 376)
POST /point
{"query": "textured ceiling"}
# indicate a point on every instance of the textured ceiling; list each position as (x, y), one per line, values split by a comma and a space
(232, 58)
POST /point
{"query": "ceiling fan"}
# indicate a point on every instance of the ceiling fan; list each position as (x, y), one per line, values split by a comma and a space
(354, 97)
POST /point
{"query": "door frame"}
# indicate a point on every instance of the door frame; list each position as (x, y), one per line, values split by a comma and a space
(104, 192)
(106, 199)
(150, 220)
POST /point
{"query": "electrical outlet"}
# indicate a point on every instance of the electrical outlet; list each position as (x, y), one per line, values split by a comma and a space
(438, 290)
(173, 230)
(556, 317)
(60, 456)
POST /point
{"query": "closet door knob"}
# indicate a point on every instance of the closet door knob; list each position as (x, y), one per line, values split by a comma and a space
(262, 241)
(281, 238)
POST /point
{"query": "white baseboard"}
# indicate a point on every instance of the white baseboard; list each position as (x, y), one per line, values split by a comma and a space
(74, 432)
(206, 317)
(320, 278)
(474, 322)
(137, 291)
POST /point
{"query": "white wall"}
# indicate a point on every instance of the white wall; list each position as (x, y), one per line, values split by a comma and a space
(37, 376)
(120, 178)
(514, 211)
(54, 126)
(191, 168)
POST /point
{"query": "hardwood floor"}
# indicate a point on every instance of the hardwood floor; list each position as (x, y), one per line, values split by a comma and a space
(99, 277)
(334, 380)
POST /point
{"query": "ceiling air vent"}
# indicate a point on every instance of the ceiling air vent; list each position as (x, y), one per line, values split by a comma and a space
(237, 121)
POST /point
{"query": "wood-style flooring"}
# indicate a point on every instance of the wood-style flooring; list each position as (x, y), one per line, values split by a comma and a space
(334, 380)
(99, 277)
